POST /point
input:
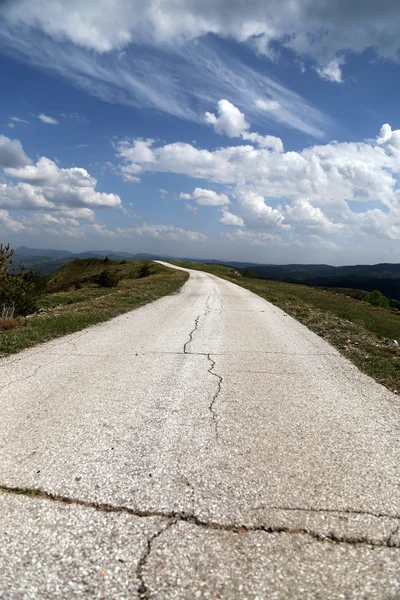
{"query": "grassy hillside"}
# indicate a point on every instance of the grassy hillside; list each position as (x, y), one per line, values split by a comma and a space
(75, 299)
(363, 333)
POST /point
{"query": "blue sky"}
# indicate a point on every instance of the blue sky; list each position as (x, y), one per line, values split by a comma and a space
(254, 131)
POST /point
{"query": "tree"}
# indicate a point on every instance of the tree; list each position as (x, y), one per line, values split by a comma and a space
(247, 272)
(108, 278)
(18, 292)
(144, 270)
(376, 298)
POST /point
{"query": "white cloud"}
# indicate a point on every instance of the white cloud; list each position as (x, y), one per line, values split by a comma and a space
(9, 223)
(67, 195)
(230, 220)
(47, 119)
(163, 192)
(252, 238)
(12, 153)
(232, 122)
(191, 208)
(206, 197)
(307, 192)
(267, 105)
(320, 31)
(265, 141)
(10, 125)
(182, 80)
(332, 71)
(19, 120)
(168, 232)
(229, 121)
(306, 217)
(389, 138)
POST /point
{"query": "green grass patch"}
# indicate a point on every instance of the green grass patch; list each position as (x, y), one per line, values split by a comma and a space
(68, 311)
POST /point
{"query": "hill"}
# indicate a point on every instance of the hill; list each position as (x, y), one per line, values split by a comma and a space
(77, 297)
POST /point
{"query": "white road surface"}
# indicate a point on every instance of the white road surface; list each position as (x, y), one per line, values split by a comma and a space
(203, 446)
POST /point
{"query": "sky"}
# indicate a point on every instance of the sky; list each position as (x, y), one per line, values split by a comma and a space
(248, 131)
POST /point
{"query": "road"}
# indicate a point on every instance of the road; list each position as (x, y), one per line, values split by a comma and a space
(203, 446)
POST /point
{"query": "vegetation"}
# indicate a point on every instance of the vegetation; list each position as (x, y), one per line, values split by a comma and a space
(376, 298)
(74, 299)
(107, 278)
(247, 272)
(145, 270)
(18, 290)
(364, 333)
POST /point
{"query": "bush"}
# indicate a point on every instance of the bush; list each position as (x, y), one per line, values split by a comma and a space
(18, 293)
(376, 298)
(38, 280)
(108, 279)
(144, 271)
(248, 272)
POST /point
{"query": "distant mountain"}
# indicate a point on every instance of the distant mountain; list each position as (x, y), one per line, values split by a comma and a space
(49, 260)
(384, 277)
(40, 252)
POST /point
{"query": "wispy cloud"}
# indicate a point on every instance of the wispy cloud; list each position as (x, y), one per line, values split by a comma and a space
(183, 81)
(47, 119)
(19, 120)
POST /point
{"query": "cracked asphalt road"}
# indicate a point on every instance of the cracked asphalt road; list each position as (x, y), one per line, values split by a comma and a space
(203, 446)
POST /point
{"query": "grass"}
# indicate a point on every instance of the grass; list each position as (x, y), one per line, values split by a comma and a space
(65, 309)
(361, 332)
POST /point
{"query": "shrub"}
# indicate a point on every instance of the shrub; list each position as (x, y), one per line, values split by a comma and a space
(248, 272)
(38, 280)
(144, 270)
(108, 279)
(376, 298)
(18, 293)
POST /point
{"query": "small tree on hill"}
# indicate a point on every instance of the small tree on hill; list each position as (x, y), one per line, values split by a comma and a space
(18, 292)
(376, 298)
(108, 278)
(247, 272)
(144, 270)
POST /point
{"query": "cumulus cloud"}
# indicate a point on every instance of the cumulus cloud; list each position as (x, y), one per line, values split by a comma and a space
(229, 120)
(60, 200)
(389, 138)
(309, 192)
(230, 220)
(12, 153)
(206, 197)
(46, 184)
(8, 223)
(232, 122)
(163, 192)
(47, 119)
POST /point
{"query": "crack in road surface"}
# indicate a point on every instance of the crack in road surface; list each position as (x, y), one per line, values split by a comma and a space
(325, 435)
(143, 591)
(214, 525)
(196, 324)
(215, 397)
